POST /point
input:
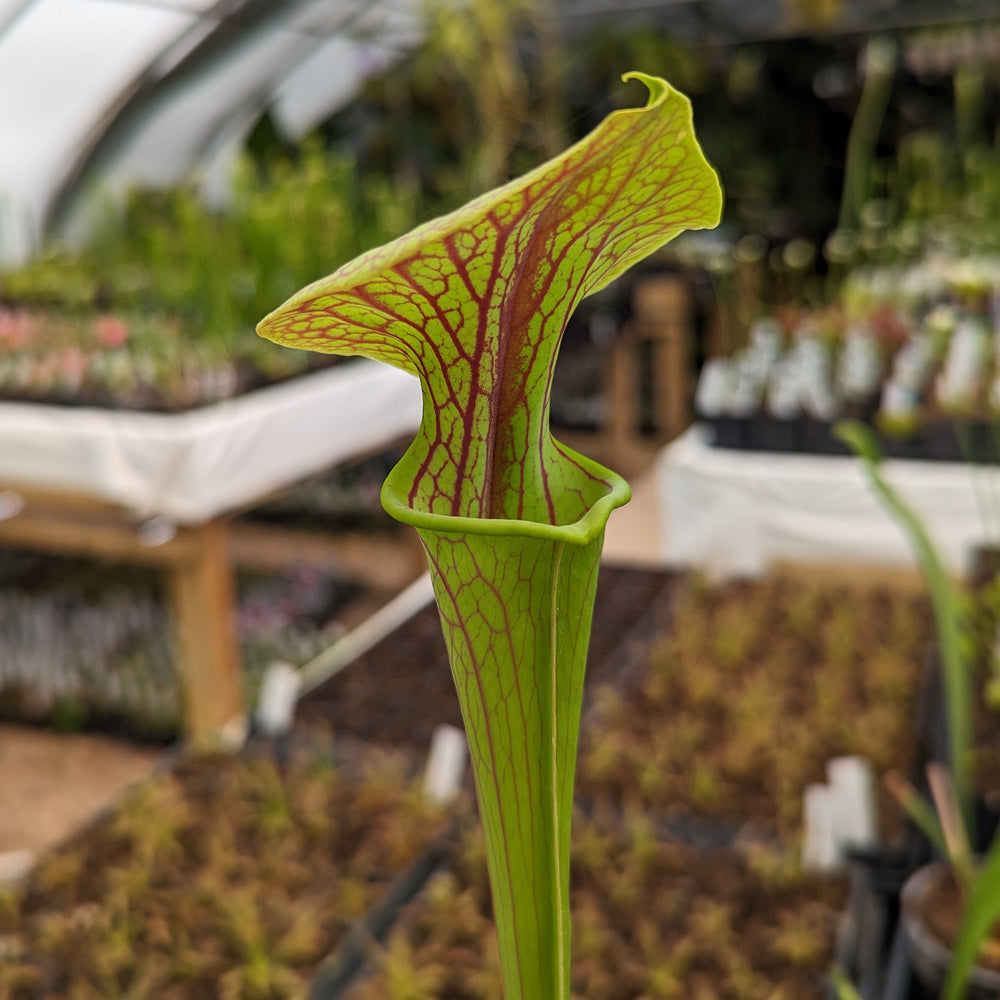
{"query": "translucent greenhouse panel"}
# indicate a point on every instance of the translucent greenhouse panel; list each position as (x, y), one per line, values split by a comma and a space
(215, 174)
(395, 22)
(311, 47)
(64, 65)
(185, 128)
(364, 40)
(8, 9)
(188, 6)
(324, 82)
(390, 23)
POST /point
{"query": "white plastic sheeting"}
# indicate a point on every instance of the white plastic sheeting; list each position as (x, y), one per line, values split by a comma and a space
(72, 72)
(64, 64)
(738, 513)
(192, 466)
(267, 68)
(326, 79)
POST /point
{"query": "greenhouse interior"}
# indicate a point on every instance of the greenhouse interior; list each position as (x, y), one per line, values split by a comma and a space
(500, 499)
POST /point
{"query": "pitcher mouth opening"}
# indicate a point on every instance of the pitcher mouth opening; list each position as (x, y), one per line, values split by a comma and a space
(395, 499)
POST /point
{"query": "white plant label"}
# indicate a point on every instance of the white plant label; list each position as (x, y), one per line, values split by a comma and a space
(279, 692)
(445, 765)
(714, 391)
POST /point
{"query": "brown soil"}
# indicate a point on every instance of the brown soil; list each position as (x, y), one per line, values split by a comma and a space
(51, 784)
(650, 919)
(942, 911)
(401, 690)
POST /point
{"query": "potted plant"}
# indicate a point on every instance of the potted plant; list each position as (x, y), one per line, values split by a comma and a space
(950, 820)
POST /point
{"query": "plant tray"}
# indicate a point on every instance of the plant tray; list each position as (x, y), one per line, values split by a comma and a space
(224, 873)
(971, 441)
(87, 644)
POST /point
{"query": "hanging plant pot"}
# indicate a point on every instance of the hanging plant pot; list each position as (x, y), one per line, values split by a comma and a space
(930, 903)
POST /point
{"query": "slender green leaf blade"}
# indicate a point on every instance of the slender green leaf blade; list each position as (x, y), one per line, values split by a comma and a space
(919, 810)
(956, 673)
(982, 910)
(842, 985)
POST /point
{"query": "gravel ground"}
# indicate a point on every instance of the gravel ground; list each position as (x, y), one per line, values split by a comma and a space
(51, 784)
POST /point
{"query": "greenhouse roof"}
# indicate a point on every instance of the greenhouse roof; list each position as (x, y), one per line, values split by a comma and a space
(742, 21)
(144, 89)
(141, 91)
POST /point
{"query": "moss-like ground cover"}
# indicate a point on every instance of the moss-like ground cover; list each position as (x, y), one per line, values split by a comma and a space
(231, 878)
(226, 878)
(753, 689)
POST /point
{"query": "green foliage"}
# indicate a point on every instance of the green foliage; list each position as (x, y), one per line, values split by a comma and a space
(956, 673)
(843, 986)
(952, 826)
(504, 107)
(982, 910)
(217, 270)
(880, 67)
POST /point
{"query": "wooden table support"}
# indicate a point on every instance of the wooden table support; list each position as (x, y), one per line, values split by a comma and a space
(196, 560)
(661, 315)
(204, 600)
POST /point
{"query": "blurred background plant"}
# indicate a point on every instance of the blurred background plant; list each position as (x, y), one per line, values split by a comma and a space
(208, 276)
(839, 152)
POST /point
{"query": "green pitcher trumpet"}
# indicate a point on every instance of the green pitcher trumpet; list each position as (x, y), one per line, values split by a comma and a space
(475, 304)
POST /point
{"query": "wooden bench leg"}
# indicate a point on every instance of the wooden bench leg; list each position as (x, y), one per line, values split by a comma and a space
(662, 314)
(203, 593)
(622, 394)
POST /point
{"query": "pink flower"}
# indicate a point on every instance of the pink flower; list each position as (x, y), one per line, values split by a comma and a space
(15, 328)
(111, 331)
(72, 365)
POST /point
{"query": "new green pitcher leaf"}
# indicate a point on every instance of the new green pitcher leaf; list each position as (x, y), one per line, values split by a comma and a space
(475, 304)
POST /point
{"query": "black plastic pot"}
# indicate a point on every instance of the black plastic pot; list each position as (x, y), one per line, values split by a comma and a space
(931, 957)
(778, 435)
(728, 432)
(970, 441)
(912, 446)
(871, 946)
(820, 440)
